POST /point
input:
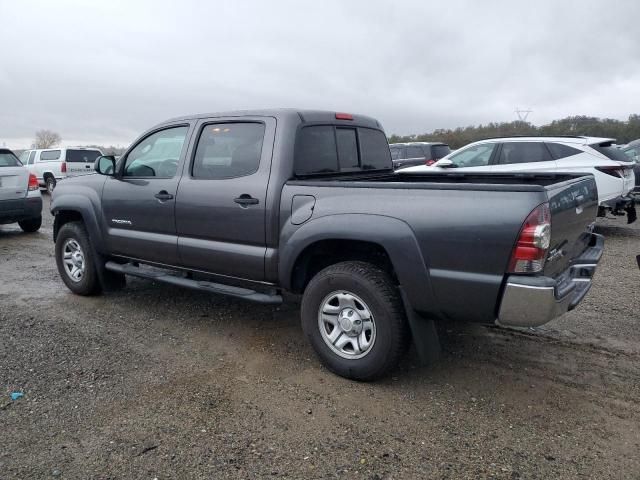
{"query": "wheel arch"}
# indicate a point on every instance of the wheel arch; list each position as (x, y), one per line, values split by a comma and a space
(70, 208)
(384, 241)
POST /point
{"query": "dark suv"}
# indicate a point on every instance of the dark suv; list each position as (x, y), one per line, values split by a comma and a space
(417, 153)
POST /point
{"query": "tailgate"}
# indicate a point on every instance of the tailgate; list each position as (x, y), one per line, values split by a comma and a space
(13, 182)
(573, 205)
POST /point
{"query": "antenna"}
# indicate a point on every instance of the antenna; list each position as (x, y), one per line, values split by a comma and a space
(522, 114)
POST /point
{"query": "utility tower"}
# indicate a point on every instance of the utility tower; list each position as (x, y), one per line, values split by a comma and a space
(523, 114)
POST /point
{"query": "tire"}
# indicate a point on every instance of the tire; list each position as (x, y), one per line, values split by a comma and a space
(363, 285)
(73, 238)
(50, 184)
(31, 225)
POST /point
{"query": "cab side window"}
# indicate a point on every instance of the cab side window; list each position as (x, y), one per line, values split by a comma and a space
(415, 152)
(157, 155)
(228, 150)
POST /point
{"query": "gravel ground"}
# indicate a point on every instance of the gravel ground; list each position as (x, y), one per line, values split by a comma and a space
(158, 382)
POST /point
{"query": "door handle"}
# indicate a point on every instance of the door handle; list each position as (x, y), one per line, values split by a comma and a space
(245, 200)
(163, 195)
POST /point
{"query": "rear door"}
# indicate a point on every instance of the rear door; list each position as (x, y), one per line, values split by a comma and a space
(14, 178)
(220, 208)
(139, 206)
(80, 161)
(524, 156)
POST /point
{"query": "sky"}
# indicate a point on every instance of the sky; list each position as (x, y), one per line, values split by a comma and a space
(102, 72)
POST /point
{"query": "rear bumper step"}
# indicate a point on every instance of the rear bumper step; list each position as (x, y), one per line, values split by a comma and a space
(166, 277)
(534, 301)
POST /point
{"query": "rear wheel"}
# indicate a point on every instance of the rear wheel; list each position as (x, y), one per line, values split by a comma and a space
(31, 225)
(50, 184)
(353, 316)
(75, 259)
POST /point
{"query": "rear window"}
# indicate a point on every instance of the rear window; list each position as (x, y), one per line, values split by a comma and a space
(374, 150)
(330, 149)
(440, 151)
(85, 156)
(50, 155)
(8, 159)
(611, 152)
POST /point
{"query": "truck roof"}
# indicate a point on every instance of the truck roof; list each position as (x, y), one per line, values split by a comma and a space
(310, 116)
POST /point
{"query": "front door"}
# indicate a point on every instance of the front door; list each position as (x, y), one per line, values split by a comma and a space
(220, 209)
(139, 204)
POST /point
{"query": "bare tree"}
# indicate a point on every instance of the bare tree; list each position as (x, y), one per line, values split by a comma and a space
(46, 139)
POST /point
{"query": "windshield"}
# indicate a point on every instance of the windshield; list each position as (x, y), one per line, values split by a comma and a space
(8, 159)
(474, 156)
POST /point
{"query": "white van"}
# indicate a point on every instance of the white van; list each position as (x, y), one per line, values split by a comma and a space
(52, 164)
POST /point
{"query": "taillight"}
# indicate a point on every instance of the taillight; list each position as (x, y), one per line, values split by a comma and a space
(344, 116)
(616, 171)
(33, 182)
(530, 250)
(430, 162)
(63, 167)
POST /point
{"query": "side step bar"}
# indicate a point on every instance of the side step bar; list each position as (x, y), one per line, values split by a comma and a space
(238, 292)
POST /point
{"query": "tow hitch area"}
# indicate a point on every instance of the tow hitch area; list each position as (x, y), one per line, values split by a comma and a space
(625, 205)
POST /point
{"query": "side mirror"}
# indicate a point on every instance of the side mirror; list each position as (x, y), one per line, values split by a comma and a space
(445, 163)
(105, 165)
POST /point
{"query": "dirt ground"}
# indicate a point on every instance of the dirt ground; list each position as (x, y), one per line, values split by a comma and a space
(159, 382)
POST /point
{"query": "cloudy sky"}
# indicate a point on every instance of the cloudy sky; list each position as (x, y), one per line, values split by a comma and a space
(103, 71)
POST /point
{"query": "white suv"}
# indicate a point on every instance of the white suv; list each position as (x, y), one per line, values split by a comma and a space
(53, 164)
(612, 169)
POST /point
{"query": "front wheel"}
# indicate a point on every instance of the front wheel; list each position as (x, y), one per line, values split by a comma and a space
(354, 318)
(75, 259)
(31, 225)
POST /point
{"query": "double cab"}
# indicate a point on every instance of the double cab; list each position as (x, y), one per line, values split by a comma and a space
(256, 203)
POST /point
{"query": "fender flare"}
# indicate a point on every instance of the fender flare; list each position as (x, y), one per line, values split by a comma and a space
(83, 203)
(394, 235)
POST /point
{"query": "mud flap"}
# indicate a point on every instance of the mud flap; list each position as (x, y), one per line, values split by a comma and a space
(424, 334)
(109, 281)
(631, 213)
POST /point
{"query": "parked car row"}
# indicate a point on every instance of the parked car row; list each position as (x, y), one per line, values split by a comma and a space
(254, 204)
(53, 164)
(417, 153)
(613, 170)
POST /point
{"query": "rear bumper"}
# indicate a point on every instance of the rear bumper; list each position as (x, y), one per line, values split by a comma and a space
(20, 209)
(534, 301)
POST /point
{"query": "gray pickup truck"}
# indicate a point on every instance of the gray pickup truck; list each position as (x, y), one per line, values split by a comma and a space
(253, 204)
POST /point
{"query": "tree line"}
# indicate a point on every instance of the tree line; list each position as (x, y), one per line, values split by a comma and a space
(622, 131)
